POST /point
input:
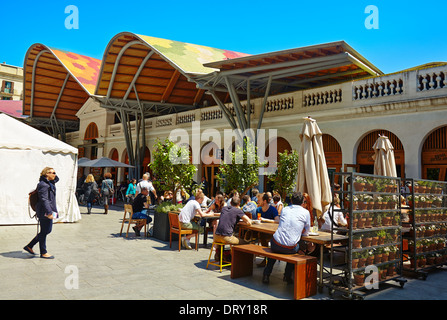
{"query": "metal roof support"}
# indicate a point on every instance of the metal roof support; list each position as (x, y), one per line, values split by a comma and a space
(33, 81)
(236, 104)
(117, 61)
(137, 74)
(264, 103)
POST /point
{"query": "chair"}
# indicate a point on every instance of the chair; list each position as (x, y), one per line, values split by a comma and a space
(129, 210)
(221, 263)
(175, 227)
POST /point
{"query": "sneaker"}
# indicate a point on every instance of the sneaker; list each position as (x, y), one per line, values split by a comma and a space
(186, 243)
(137, 232)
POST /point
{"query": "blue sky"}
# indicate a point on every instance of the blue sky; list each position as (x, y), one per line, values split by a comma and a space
(410, 33)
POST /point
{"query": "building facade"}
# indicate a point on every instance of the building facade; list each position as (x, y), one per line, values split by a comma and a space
(11, 82)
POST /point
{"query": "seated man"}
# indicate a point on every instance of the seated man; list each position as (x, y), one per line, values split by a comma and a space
(294, 221)
(267, 211)
(249, 207)
(140, 207)
(187, 215)
(229, 218)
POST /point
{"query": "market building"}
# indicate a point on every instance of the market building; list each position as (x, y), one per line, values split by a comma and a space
(145, 87)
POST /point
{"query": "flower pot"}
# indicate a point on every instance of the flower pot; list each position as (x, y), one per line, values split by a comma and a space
(361, 223)
(355, 263)
(391, 270)
(384, 257)
(366, 242)
(359, 186)
(361, 263)
(391, 256)
(369, 260)
(357, 243)
(368, 223)
(374, 241)
(161, 227)
(431, 260)
(377, 258)
(383, 273)
(361, 205)
(359, 279)
(381, 240)
(354, 223)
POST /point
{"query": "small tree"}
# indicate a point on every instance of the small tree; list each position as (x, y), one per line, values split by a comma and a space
(284, 179)
(242, 173)
(171, 167)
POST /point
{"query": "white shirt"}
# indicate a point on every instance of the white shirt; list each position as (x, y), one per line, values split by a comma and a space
(145, 183)
(293, 221)
(189, 211)
(338, 217)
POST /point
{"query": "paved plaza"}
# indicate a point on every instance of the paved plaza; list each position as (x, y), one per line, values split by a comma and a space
(110, 266)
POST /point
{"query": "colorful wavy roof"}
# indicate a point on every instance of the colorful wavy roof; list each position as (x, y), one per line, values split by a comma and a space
(84, 69)
(190, 57)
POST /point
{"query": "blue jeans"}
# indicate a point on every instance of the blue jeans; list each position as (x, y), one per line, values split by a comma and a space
(46, 225)
(278, 249)
(142, 215)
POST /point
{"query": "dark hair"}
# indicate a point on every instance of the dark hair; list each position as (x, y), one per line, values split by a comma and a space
(246, 198)
(266, 197)
(235, 201)
(276, 198)
(297, 198)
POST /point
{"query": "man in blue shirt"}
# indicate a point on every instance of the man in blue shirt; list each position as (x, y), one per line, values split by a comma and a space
(268, 212)
(294, 221)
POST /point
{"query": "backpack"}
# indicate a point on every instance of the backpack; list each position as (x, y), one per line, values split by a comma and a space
(32, 199)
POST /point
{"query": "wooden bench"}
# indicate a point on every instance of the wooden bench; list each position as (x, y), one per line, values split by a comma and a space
(305, 277)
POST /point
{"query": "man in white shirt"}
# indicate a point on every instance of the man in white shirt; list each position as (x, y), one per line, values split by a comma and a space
(187, 215)
(294, 222)
(145, 183)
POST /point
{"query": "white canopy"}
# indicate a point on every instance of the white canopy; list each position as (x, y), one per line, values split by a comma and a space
(24, 152)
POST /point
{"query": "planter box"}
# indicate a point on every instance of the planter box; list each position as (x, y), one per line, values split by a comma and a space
(161, 227)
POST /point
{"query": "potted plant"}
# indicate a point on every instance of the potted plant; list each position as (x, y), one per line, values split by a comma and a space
(382, 236)
(359, 278)
(392, 253)
(355, 259)
(385, 254)
(359, 183)
(421, 261)
(391, 270)
(378, 255)
(369, 219)
(366, 241)
(431, 259)
(357, 241)
(161, 220)
(370, 257)
(377, 221)
(362, 258)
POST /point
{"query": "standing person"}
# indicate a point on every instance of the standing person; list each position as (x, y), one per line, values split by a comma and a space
(139, 207)
(46, 210)
(131, 191)
(294, 222)
(187, 215)
(146, 183)
(90, 190)
(107, 190)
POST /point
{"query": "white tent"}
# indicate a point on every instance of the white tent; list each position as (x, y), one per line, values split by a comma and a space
(24, 152)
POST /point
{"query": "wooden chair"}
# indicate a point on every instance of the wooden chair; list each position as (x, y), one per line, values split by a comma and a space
(129, 210)
(221, 262)
(175, 227)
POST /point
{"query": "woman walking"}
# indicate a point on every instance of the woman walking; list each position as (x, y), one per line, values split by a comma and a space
(107, 190)
(45, 210)
(90, 189)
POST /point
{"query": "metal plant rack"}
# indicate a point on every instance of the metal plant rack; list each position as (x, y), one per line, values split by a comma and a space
(425, 239)
(354, 206)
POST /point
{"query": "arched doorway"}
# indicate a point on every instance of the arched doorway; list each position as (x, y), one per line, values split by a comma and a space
(90, 136)
(434, 155)
(113, 154)
(210, 157)
(282, 145)
(332, 154)
(365, 152)
(125, 159)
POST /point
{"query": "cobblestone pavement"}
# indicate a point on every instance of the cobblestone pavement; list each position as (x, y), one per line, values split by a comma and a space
(110, 266)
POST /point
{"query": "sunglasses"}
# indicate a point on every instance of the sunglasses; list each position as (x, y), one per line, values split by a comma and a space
(52, 172)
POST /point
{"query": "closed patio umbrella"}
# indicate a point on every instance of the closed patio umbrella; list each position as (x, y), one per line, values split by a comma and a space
(313, 176)
(384, 162)
(104, 162)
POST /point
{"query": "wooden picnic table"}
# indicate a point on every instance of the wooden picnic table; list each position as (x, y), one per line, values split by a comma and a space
(323, 238)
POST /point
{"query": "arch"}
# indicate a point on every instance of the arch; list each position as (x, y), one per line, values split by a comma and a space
(332, 152)
(91, 132)
(365, 152)
(434, 155)
(113, 154)
(281, 146)
(210, 159)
